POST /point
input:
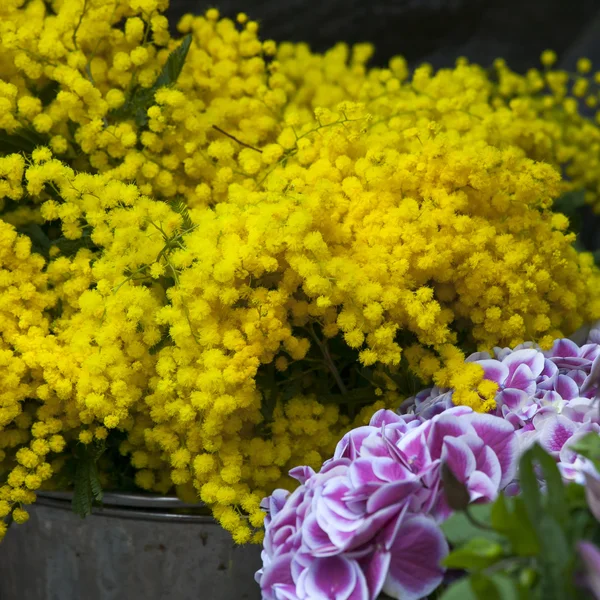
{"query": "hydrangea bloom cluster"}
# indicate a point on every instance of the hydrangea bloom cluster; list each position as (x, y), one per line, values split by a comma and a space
(367, 521)
(548, 397)
(213, 244)
(369, 515)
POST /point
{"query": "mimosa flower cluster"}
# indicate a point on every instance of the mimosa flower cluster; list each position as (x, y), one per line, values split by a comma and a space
(220, 253)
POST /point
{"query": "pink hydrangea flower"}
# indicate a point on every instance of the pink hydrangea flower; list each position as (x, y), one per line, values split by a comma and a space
(368, 520)
(548, 397)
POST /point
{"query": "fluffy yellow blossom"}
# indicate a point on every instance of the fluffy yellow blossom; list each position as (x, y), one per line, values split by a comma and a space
(20, 516)
(233, 267)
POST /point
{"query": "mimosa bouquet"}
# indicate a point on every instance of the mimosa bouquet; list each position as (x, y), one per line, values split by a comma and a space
(219, 254)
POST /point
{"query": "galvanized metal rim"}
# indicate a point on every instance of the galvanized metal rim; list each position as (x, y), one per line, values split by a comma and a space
(133, 500)
(132, 506)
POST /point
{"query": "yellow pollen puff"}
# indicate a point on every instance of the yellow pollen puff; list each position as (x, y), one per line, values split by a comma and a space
(20, 516)
(584, 65)
(548, 58)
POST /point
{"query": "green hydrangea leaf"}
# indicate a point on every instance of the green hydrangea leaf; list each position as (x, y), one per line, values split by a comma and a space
(460, 590)
(478, 553)
(458, 529)
(549, 516)
(494, 587)
(509, 518)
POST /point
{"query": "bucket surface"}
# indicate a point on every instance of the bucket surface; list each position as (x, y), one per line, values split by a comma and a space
(133, 554)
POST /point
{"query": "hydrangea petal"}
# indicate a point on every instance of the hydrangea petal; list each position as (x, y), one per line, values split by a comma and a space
(376, 568)
(350, 445)
(589, 351)
(550, 369)
(391, 494)
(335, 578)
(387, 469)
(442, 426)
(513, 398)
(415, 450)
(566, 387)
(488, 463)
(275, 502)
(556, 431)
(593, 378)
(550, 397)
(494, 370)
(316, 539)
(564, 347)
(522, 379)
(382, 525)
(590, 554)
(458, 457)
(416, 555)
(277, 573)
(361, 473)
(499, 436)
(481, 487)
(532, 358)
(385, 417)
(301, 474)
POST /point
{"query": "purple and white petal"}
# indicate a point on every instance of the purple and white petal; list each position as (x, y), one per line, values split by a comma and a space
(392, 494)
(301, 474)
(446, 425)
(557, 430)
(385, 417)
(494, 370)
(500, 437)
(481, 487)
(350, 445)
(459, 458)
(562, 348)
(592, 493)
(333, 578)
(277, 575)
(590, 554)
(415, 569)
(566, 387)
(521, 379)
(376, 567)
(531, 358)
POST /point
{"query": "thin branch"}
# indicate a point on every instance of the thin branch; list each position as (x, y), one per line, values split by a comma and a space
(329, 361)
(236, 140)
(76, 30)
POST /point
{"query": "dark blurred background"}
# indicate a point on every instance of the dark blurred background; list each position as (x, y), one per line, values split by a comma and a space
(436, 31)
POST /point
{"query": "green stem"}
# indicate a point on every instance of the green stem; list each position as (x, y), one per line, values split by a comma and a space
(329, 361)
(476, 522)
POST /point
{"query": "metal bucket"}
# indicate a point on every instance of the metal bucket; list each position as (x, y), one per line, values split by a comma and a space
(133, 548)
